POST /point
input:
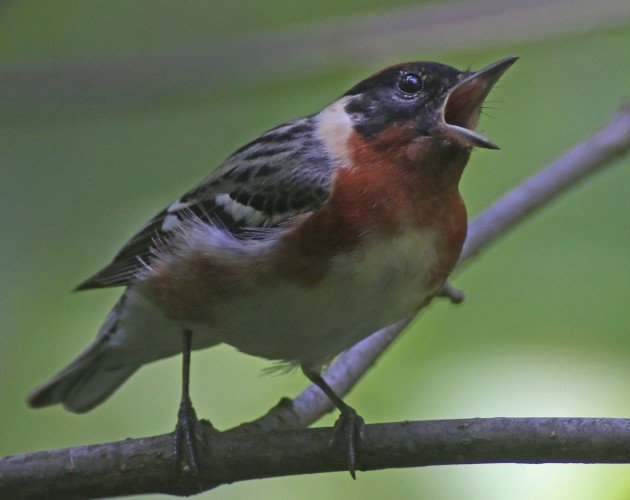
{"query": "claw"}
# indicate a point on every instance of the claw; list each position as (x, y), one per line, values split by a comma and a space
(185, 443)
(348, 435)
(348, 430)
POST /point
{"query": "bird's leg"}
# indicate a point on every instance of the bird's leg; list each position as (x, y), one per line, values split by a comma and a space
(348, 430)
(185, 445)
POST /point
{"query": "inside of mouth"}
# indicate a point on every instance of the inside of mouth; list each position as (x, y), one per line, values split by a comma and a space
(463, 105)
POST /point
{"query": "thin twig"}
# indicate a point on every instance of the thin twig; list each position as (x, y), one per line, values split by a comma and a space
(586, 158)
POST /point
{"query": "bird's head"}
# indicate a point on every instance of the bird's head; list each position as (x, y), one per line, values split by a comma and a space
(422, 101)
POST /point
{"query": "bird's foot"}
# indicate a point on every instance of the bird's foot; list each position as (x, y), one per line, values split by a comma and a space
(185, 445)
(453, 294)
(348, 436)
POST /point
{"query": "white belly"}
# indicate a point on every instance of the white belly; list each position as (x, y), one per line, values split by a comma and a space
(371, 288)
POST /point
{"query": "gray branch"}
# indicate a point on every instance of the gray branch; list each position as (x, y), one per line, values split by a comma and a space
(146, 465)
(586, 158)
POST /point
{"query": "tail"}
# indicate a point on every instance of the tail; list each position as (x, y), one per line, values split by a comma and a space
(91, 378)
(134, 333)
(83, 384)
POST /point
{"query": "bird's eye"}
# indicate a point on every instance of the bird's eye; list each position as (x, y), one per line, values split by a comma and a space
(410, 83)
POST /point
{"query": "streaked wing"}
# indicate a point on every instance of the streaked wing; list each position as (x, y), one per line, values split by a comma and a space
(283, 173)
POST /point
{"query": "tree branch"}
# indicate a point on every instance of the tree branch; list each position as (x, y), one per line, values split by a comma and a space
(145, 465)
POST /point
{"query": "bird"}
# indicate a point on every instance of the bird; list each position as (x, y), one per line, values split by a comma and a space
(303, 242)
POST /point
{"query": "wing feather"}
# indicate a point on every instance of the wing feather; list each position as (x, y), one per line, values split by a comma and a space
(282, 174)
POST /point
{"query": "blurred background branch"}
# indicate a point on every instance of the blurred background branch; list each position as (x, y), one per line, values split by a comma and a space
(137, 466)
(245, 62)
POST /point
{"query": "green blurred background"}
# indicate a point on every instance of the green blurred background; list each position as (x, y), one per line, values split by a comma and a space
(85, 161)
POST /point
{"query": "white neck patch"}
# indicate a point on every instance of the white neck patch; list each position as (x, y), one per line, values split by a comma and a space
(334, 130)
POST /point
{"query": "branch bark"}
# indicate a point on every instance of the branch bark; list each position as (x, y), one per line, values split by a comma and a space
(145, 465)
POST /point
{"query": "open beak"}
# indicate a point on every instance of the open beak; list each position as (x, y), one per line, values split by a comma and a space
(462, 106)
